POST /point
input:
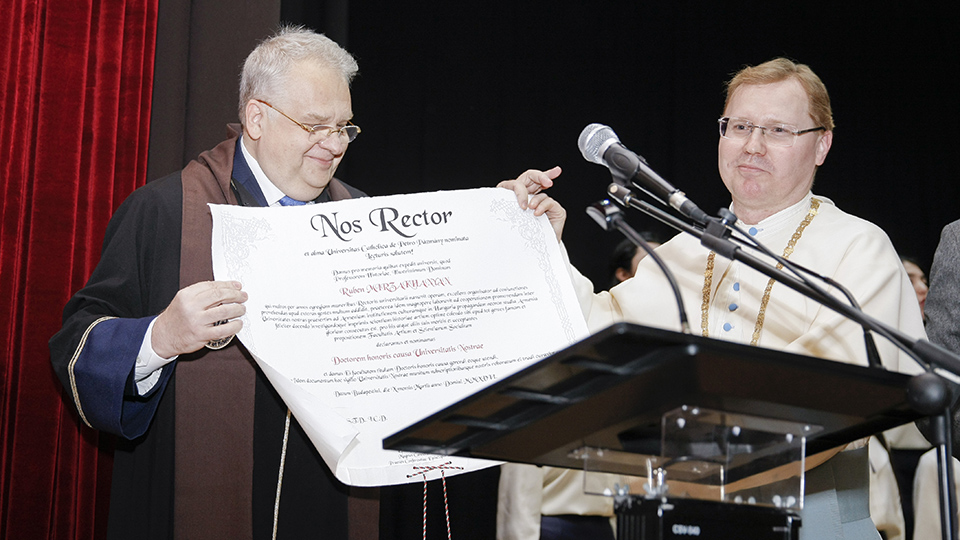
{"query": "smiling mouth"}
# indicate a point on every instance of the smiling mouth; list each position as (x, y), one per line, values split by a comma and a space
(322, 161)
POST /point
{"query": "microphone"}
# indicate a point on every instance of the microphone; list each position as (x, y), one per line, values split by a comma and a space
(599, 144)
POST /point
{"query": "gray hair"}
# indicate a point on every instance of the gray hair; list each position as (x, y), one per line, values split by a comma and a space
(268, 64)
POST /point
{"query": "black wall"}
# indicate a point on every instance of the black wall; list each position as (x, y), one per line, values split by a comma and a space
(464, 94)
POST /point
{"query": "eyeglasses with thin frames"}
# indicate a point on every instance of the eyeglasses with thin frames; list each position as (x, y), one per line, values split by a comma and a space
(346, 133)
(734, 128)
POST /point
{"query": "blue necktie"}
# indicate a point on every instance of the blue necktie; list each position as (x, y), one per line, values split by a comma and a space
(287, 201)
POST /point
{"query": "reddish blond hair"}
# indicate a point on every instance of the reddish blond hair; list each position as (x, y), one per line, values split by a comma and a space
(780, 69)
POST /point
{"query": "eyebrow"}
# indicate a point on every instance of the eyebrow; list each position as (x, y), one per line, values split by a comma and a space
(766, 122)
(320, 119)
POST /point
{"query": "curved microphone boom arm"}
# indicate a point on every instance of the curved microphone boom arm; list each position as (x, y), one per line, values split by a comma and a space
(608, 216)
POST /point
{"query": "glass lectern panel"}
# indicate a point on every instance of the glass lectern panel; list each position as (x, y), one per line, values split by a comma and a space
(709, 455)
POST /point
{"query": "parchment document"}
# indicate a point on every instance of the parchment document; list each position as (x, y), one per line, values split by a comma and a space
(368, 315)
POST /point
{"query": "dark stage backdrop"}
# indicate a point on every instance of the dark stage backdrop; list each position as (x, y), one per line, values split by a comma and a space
(464, 94)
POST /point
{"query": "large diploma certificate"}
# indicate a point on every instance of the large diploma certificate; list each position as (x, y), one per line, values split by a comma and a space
(370, 314)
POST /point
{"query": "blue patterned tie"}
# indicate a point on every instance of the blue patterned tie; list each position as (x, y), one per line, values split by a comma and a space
(287, 201)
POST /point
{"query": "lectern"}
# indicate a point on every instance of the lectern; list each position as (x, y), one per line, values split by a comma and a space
(689, 420)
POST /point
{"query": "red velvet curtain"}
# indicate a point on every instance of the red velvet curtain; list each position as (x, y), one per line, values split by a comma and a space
(76, 78)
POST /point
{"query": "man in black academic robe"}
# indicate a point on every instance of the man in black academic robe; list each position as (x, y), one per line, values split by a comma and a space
(199, 452)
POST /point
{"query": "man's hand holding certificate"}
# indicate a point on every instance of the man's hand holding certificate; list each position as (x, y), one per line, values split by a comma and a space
(369, 314)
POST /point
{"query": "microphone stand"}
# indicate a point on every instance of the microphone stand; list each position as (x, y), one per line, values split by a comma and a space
(927, 393)
(609, 217)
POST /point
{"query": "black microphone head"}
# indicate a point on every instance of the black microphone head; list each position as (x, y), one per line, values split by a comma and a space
(594, 141)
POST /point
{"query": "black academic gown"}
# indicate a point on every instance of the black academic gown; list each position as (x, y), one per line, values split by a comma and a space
(136, 278)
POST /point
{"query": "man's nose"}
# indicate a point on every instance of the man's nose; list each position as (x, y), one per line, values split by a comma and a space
(334, 144)
(756, 142)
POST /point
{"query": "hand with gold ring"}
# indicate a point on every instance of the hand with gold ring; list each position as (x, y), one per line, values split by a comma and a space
(203, 314)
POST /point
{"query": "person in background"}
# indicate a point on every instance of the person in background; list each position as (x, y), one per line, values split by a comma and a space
(918, 279)
(626, 256)
(894, 455)
(942, 313)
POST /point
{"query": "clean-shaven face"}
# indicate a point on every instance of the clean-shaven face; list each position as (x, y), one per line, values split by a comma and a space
(296, 163)
(764, 179)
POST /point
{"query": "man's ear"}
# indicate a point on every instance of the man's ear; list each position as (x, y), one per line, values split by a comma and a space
(254, 114)
(823, 147)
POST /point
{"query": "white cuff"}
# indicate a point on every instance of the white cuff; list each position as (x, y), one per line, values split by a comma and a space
(149, 363)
